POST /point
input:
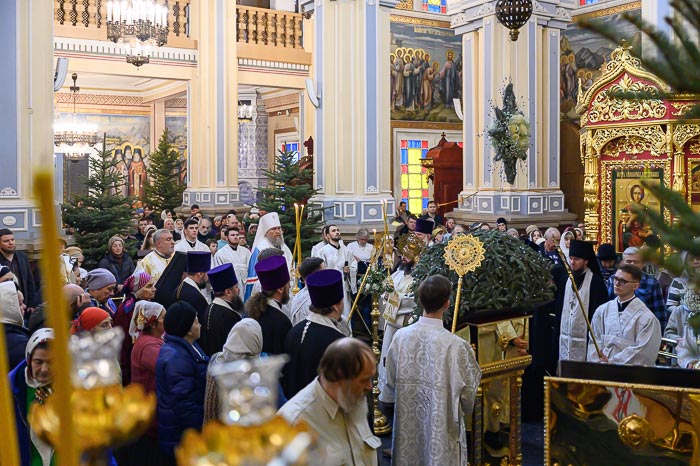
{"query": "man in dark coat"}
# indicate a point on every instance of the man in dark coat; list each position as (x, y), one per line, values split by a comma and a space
(308, 340)
(181, 372)
(266, 306)
(18, 263)
(224, 312)
(193, 288)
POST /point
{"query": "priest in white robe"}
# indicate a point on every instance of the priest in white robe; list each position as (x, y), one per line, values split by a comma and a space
(337, 256)
(268, 235)
(432, 379)
(573, 336)
(626, 330)
(235, 254)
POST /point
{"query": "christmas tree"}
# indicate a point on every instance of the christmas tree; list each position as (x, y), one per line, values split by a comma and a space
(164, 189)
(289, 184)
(103, 212)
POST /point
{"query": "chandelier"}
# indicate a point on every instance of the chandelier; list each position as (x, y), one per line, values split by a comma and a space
(75, 139)
(140, 24)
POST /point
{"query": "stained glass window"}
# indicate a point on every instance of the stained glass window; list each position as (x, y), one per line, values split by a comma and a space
(434, 6)
(292, 147)
(414, 184)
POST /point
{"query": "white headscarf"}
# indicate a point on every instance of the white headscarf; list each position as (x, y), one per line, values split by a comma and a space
(145, 312)
(267, 221)
(243, 341)
(562, 242)
(10, 312)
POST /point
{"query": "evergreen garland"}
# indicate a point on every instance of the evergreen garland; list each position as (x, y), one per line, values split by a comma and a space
(103, 212)
(509, 134)
(512, 275)
(163, 189)
(289, 184)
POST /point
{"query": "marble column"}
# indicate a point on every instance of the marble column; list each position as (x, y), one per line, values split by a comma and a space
(26, 122)
(352, 160)
(490, 61)
(252, 148)
(212, 106)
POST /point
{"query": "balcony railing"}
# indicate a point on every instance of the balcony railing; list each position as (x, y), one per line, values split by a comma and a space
(86, 19)
(259, 26)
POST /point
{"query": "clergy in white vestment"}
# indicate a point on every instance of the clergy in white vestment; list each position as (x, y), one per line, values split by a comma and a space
(334, 405)
(626, 330)
(573, 335)
(233, 253)
(157, 260)
(361, 249)
(301, 301)
(432, 378)
(336, 256)
(268, 235)
(189, 241)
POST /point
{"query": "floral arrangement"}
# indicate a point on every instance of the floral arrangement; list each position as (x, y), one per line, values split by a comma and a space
(378, 282)
(509, 134)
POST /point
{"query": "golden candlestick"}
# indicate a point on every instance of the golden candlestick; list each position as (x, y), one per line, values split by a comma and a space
(380, 422)
(67, 445)
(9, 453)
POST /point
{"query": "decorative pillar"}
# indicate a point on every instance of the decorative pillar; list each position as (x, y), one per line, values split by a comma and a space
(490, 61)
(352, 135)
(26, 124)
(213, 105)
(654, 12)
(252, 148)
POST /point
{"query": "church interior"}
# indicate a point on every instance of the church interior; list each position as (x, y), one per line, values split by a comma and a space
(389, 102)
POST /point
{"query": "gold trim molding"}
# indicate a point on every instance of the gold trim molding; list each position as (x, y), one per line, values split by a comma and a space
(419, 21)
(636, 5)
(98, 99)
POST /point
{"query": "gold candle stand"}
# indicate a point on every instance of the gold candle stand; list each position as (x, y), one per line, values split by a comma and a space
(381, 424)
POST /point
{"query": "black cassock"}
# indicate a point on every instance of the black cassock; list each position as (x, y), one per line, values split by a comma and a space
(218, 321)
(275, 326)
(305, 344)
(190, 294)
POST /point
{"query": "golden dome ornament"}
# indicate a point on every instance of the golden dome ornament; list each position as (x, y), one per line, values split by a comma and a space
(463, 254)
(635, 431)
(410, 246)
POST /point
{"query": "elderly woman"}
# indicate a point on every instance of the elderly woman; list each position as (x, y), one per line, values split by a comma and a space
(138, 287)
(31, 382)
(147, 328)
(244, 342)
(93, 320)
(12, 318)
(116, 260)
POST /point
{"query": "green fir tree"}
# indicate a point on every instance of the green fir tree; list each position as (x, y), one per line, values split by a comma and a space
(288, 184)
(164, 189)
(103, 212)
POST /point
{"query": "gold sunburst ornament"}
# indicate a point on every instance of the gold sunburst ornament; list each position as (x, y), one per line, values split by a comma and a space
(463, 254)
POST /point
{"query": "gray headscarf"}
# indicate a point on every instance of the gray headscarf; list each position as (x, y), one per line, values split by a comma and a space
(244, 341)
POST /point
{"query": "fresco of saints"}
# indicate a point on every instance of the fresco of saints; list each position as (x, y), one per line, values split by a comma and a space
(137, 174)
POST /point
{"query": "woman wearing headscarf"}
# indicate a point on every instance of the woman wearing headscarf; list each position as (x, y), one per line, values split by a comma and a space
(565, 242)
(138, 287)
(116, 260)
(181, 373)
(147, 330)
(31, 382)
(92, 320)
(244, 342)
(12, 318)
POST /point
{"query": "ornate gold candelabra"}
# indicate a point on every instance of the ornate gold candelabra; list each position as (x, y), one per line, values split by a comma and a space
(381, 424)
(463, 254)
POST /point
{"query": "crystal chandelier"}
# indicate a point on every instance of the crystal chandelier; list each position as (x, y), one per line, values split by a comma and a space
(73, 138)
(140, 24)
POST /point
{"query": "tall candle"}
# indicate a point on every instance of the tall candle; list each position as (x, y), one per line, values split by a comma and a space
(9, 453)
(301, 216)
(66, 450)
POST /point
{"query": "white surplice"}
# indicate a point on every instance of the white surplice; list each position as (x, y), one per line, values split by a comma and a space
(632, 336)
(300, 306)
(574, 331)
(335, 258)
(184, 246)
(432, 377)
(238, 258)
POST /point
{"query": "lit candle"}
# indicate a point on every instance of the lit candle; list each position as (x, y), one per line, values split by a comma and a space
(66, 450)
(301, 216)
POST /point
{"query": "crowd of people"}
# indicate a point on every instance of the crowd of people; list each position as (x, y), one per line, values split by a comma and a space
(235, 300)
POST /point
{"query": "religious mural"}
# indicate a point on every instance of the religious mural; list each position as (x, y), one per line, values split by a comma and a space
(177, 126)
(425, 67)
(583, 53)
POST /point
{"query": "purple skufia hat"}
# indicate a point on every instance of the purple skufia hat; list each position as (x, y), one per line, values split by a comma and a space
(425, 226)
(198, 261)
(272, 272)
(222, 278)
(325, 287)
